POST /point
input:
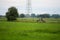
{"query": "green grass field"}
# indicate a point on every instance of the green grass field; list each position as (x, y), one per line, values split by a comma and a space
(29, 31)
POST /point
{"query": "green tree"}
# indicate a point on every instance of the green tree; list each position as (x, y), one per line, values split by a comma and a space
(12, 14)
(33, 15)
(22, 15)
(55, 16)
(44, 15)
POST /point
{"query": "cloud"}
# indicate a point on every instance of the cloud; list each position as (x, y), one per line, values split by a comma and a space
(45, 3)
(37, 5)
(5, 4)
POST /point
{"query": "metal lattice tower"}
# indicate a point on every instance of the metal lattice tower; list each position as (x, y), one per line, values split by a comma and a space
(29, 9)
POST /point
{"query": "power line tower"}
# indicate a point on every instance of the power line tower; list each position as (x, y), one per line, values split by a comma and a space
(29, 9)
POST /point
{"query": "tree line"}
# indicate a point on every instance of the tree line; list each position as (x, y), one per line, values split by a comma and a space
(41, 15)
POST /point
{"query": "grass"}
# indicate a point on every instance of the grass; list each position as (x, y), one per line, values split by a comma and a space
(29, 31)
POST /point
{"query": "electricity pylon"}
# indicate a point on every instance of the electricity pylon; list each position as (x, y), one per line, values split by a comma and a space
(29, 9)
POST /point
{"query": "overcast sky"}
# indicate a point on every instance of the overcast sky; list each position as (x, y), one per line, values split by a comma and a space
(38, 6)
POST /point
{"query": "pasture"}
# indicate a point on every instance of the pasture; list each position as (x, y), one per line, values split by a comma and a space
(29, 29)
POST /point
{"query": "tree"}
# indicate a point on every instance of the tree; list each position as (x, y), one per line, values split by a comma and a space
(44, 15)
(22, 15)
(12, 14)
(33, 15)
(55, 16)
(38, 16)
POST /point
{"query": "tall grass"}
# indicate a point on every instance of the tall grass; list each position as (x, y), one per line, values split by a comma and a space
(29, 31)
